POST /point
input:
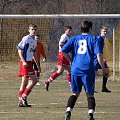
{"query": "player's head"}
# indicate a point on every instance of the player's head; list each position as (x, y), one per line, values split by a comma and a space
(86, 26)
(103, 31)
(68, 30)
(37, 37)
(32, 29)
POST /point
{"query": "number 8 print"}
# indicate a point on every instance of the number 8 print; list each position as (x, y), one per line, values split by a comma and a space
(82, 47)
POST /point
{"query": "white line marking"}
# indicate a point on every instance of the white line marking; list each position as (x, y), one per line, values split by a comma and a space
(2, 112)
(53, 103)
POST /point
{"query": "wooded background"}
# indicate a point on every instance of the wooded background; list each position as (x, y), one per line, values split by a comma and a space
(12, 30)
(59, 6)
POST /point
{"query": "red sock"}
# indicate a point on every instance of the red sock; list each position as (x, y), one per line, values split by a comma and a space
(20, 93)
(69, 78)
(54, 75)
(26, 92)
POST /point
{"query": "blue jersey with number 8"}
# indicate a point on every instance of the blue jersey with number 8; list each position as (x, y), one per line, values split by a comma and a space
(83, 47)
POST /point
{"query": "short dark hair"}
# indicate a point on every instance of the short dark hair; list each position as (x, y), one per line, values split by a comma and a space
(67, 27)
(32, 25)
(103, 27)
(85, 26)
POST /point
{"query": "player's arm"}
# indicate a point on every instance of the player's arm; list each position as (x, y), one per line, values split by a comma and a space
(63, 40)
(36, 60)
(22, 48)
(67, 56)
(21, 57)
(43, 53)
(61, 44)
(101, 62)
(67, 48)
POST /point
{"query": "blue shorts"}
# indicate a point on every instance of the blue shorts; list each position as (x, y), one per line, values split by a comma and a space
(86, 80)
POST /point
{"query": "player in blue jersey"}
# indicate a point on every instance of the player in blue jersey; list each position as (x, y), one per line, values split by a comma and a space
(83, 48)
(101, 38)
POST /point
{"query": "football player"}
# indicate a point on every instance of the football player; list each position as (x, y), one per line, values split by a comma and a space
(63, 63)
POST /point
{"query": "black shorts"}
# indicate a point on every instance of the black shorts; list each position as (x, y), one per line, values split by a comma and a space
(97, 66)
(35, 66)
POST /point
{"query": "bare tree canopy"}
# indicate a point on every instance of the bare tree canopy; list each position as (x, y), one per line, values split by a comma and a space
(59, 6)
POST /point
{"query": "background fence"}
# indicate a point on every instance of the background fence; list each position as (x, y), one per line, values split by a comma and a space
(50, 29)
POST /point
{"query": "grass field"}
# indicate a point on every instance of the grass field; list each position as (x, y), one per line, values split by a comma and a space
(52, 105)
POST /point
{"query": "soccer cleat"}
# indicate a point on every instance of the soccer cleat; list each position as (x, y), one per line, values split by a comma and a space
(91, 118)
(67, 115)
(20, 104)
(23, 103)
(47, 83)
(38, 83)
(106, 90)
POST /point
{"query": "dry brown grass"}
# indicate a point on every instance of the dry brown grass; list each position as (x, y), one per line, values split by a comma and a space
(52, 105)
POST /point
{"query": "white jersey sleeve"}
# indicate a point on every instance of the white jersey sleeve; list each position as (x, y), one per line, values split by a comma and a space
(22, 43)
(64, 38)
(27, 45)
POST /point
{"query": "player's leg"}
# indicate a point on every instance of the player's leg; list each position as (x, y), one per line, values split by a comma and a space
(37, 73)
(23, 85)
(104, 84)
(105, 79)
(76, 87)
(22, 89)
(38, 76)
(27, 72)
(89, 85)
(22, 73)
(62, 63)
(59, 71)
(54, 76)
(28, 89)
(70, 105)
(91, 106)
(32, 83)
(68, 68)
